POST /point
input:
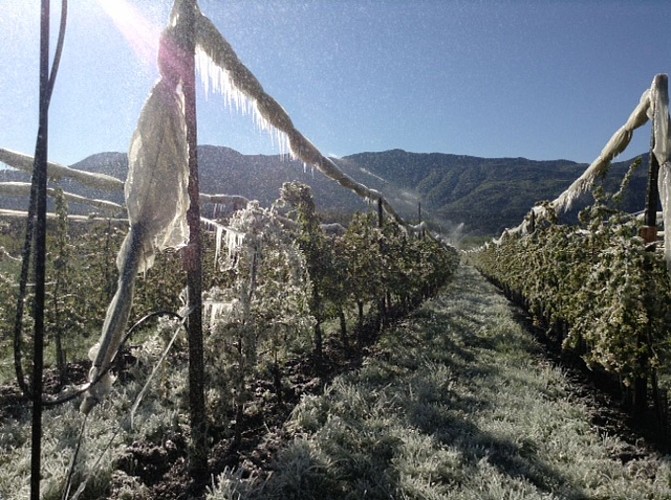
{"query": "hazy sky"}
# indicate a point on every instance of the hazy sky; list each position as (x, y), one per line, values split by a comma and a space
(538, 79)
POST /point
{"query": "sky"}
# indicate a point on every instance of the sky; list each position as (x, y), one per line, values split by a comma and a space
(538, 79)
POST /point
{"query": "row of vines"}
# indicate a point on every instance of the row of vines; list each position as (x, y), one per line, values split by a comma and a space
(598, 289)
(269, 293)
(278, 288)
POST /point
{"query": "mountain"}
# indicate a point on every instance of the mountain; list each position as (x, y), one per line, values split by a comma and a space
(225, 171)
(490, 194)
(486, 194)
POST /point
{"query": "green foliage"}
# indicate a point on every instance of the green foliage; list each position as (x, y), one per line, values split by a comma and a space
(261, 302)
(454, 403)
(368, 265)
(597, 281)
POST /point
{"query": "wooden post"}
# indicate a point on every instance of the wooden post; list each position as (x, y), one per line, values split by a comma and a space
(660, 92)
(40, 181)
(380, 213)
(649, 231)
(193, 255)
(382, 306)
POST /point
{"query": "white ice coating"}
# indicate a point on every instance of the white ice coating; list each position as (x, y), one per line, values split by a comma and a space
(157, 201)
(233, 241)
(219, 234)
(221, 70)
(232, 238)
(24, 162)
(617, 143)
(220, 81)
(270, 113)
(11, 188)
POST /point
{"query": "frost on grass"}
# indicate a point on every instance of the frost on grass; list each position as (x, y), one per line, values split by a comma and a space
(453, 404)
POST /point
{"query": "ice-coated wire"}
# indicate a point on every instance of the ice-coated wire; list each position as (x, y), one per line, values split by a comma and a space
(617, 143)
(13, 188)
(237, 78)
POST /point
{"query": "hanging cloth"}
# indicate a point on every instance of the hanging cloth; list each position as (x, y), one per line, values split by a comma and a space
(157, 201)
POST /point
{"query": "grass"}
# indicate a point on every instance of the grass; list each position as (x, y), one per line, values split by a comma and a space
(456, 402)
(108, 434)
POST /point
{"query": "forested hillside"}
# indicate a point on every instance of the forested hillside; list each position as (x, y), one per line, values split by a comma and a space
(486, 194)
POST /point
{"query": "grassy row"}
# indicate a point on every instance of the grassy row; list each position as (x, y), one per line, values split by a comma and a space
(455, 403)
(108, 433)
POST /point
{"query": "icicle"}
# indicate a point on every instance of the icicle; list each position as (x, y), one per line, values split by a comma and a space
(217, 79)
(269, 113)
(233, 240)
(219, 235)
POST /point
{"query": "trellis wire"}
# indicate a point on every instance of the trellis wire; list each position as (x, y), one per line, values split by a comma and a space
(134, 407)
(653, 105)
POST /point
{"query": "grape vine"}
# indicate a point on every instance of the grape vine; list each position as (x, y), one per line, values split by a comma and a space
(596, 286)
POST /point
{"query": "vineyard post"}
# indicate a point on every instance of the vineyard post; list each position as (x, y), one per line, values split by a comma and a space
(40, 175)
(649, 234)
(380, 213)
(192, 258)
(419, 219)
(382, 306)
(660, 87)
(651, 197)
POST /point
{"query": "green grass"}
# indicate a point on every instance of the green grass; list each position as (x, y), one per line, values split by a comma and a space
(457, 403)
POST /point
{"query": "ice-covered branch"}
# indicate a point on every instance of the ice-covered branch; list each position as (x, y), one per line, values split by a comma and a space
(22, 214)
(23, 189)
(238, 78)
(617, 143)
(55, 170)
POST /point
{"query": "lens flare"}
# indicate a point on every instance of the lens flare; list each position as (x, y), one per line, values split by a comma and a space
(141, 34)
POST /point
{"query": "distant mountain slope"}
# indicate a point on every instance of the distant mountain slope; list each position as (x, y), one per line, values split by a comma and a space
(486, 194)
(225, 171)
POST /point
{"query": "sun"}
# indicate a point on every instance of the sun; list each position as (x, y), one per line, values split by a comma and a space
(141, 34)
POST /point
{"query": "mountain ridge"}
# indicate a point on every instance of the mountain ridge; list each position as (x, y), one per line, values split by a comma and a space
(486, 194)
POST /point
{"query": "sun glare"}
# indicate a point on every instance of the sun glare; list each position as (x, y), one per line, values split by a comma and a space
(140, 33)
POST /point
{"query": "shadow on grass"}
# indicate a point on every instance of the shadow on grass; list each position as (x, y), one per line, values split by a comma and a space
(410, 412)
(516, 460)
(456, 323)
